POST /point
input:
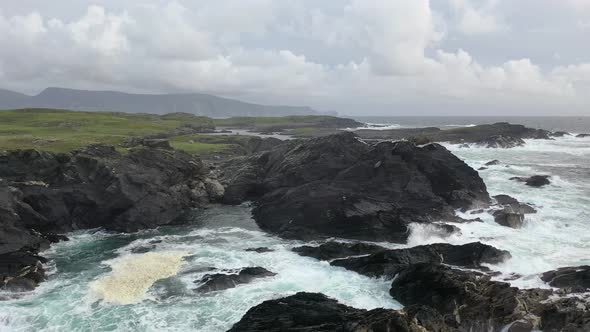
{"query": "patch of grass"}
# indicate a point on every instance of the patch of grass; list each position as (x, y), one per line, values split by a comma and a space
(63, 130)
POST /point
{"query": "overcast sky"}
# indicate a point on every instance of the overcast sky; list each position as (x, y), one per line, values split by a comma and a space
(358, 57)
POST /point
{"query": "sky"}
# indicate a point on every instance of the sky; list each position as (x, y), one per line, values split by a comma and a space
(355, 57)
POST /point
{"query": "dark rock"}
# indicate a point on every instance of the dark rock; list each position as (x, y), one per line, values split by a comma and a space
(509, 219)
(220, 281)
(482, 168)
(512, 205)
(330, 187)
(575, 279)
(260, 250)
(559, 134)
(21, 271)
(534, 181)
(99, 187)
(493, 162)
(500, 141)
(566, 314)
(388, 263)
(313, 312)
(332, 250)
(470, 299)
(582, 135)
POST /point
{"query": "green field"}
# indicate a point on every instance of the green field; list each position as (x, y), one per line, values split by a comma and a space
(62, 130)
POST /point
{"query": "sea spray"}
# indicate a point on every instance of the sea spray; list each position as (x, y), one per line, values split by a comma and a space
(133, 275)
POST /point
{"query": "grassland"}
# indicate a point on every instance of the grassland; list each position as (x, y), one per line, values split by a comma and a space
(62, 130)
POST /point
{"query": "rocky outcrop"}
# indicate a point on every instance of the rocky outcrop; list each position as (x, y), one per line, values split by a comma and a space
(573, 279)
(470, 301)
(493, 162)
(559, 134)
(500, 141)
(512, 211)
(533, 181)
(497, 135)
(44, 193)
(340, 186)
(21, 270)
(222, 281)
(313, 312)
(388, 263)
(582, 135)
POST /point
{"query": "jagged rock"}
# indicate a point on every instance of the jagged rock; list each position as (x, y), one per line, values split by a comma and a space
(221, 281)
(575, 279)
(582, 135)
(332, 250)
(500, 141)
(21, 271)
(482, 168)
(534, 181)
(492, 163)
(388, 263)
(470, 299)
(329, 186)
(313, 312)
(99, 187)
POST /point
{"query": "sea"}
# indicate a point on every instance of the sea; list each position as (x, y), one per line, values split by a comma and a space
(100, 281)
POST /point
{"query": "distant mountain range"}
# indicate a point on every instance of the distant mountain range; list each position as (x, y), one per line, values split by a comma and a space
(195, 103)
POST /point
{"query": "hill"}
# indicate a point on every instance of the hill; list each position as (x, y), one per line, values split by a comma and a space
(194, 103)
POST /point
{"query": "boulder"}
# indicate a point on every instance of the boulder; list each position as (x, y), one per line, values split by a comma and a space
(509, 219)
(512, 205)
(221, 281)
(333, 250)
(534, 181)
(314, 312)
(388, 263)
(340, 186)
(574, 279)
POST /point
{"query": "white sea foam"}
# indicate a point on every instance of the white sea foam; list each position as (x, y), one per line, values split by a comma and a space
(132, 276)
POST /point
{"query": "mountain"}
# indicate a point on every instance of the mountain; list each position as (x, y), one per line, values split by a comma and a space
(195, 103)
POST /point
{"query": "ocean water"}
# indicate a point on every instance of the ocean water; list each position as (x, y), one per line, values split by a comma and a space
(108, 282)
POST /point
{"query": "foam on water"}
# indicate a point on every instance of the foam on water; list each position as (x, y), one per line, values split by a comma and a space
(69, 301)
(133, 275)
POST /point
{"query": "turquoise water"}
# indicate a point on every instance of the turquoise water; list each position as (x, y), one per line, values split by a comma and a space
(215, 238)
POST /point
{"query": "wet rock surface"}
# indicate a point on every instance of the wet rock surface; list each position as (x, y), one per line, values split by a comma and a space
(333, 186)
(221, 281)
(574, 279)
(534, 181)
(307, 312)
(388, 263)
(333, 250)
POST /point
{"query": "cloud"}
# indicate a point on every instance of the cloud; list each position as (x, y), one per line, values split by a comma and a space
(475, 21)
(389, 56)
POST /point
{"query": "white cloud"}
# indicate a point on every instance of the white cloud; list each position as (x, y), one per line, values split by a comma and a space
(204, 46)
(475, 21)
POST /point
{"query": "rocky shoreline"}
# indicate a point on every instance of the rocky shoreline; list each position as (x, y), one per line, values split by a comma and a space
(338, 186)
